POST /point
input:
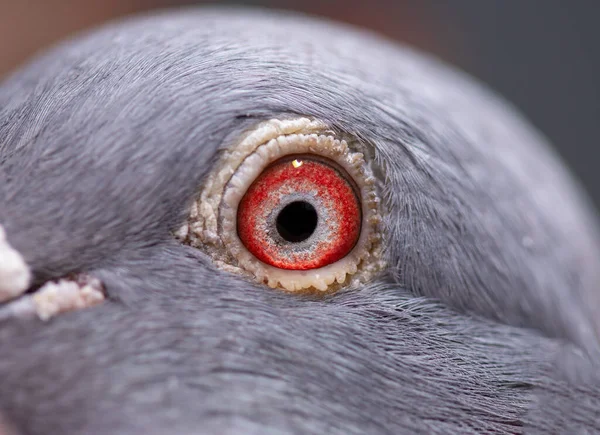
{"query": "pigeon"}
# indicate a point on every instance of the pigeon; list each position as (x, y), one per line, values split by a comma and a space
(149, 283)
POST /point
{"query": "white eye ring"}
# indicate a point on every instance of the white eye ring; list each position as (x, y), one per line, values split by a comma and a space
(212, 225)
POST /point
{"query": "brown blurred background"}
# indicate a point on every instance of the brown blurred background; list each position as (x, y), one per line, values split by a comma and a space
(543, 55)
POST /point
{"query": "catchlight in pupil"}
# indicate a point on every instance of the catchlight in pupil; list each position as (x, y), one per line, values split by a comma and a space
(297, 221)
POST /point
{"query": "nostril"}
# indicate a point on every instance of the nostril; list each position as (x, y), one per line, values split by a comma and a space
(15, 275)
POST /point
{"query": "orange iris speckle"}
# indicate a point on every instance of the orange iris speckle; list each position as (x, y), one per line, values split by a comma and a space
(307, 196)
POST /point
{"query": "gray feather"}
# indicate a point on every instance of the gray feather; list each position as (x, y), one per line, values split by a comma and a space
(493, 250)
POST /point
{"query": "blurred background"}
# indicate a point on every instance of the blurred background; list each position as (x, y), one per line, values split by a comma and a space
(542, 55)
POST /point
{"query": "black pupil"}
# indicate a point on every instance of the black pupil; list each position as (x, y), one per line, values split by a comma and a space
(297, 221)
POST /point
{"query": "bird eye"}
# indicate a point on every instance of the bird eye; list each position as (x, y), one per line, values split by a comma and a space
(293, 206)
(301, 213)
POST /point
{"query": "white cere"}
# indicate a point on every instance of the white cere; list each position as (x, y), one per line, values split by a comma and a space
(14, 273)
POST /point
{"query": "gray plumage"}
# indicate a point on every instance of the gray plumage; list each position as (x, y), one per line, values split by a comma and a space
(488, 319)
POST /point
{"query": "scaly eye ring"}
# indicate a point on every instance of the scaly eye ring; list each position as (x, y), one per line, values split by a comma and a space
(292, 206)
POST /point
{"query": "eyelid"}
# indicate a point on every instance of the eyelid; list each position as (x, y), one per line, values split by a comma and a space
(212, 223)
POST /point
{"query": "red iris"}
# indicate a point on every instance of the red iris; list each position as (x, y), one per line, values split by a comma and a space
(302, 212)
